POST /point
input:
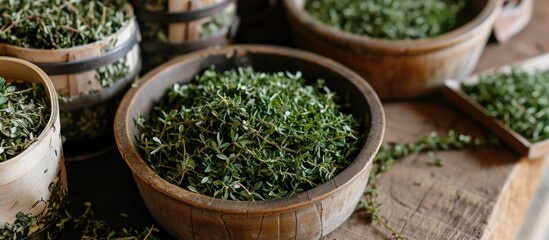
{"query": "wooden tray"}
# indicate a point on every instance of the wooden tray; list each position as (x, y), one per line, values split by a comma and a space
(452, 90)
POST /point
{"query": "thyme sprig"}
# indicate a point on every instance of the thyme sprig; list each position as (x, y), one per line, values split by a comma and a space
(390, 19)
(24, 112)
(247, 135)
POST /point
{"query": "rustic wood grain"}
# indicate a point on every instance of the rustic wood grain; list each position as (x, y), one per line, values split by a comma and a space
(481, 194)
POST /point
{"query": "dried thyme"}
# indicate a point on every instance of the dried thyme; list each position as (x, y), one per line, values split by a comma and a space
(519, 99)
(56, 24)
(246, 135)
(389, 153)
(24, 112)
(391, 19)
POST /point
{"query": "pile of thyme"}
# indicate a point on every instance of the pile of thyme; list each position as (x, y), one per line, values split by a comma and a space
(247, 135)
(59, 24)
(391, 19)
(389, 153)
(519, 99)
(24, 112)
(56, 24)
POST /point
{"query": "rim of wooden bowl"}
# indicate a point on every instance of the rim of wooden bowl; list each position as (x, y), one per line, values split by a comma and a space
(50, 93)
(488, 15)
(141, 170)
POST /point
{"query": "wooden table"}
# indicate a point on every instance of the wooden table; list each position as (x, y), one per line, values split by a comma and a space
(482, 194)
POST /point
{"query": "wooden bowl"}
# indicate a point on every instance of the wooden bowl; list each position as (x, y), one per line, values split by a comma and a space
(310, 214)
(25, 178)
(399, 68)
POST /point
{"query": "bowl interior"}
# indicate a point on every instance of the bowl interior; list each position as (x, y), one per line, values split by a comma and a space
(483, 11)
(364, 103)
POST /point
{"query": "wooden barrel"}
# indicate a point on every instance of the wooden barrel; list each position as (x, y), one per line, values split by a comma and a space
(76, 75)
(307, 215)
(264, 22)
(180, 26)
(25, 179)
(399, 69)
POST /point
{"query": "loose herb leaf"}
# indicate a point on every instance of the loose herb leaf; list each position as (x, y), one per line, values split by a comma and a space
(390, 19)
(24, 112)
(519, 99)
(247, 135)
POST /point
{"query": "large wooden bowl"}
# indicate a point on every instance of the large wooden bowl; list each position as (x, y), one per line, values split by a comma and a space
(399, 68)
(307, 215)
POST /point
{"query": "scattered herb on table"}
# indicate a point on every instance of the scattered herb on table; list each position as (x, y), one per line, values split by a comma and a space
(26, 223)
(56, 218)
(91, 228)
(24, 112)
(389, 153)
(519, 99)
(391, 19)
(247, 135)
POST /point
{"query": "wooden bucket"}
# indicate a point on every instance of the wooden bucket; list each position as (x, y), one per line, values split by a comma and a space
(181, 26)
(399, 69)
(25, 178)
(73, 72)
(308, 215)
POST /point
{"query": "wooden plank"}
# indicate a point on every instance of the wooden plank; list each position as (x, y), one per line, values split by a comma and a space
(480, 194)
